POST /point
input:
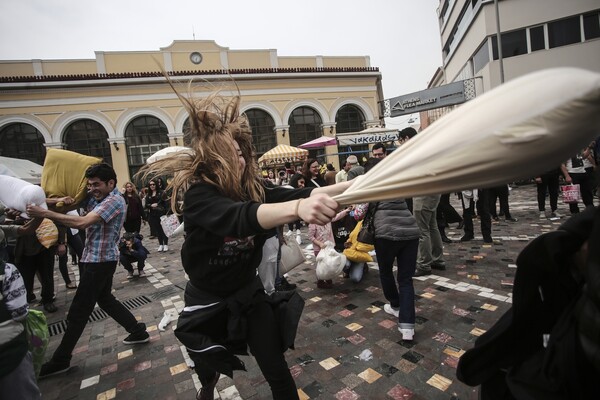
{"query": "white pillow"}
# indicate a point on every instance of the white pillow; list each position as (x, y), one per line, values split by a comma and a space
(15, 193)
(518, 130)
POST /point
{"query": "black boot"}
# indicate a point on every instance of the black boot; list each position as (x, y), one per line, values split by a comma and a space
(445, 238)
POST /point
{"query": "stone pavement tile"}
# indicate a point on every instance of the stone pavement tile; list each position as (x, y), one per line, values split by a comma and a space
(451, 311)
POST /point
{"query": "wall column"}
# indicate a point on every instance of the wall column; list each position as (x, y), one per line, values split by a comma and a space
(119, 160)
(175, 139)
(328, 129)
(283, 134)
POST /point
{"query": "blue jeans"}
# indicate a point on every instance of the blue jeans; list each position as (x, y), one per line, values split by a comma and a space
(95, 285)
(400, 292)
(355, 270)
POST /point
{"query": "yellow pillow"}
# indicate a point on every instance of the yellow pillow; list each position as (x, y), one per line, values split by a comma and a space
(64, 174)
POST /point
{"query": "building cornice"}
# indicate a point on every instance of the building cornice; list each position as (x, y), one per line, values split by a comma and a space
(144, 77)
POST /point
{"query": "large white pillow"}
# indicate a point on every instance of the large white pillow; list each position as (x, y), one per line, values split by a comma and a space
(15, 193)
(518, 130)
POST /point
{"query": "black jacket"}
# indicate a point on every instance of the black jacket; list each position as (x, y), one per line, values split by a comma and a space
(547, 346)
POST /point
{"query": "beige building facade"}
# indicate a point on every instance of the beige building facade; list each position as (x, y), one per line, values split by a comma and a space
(119, 106)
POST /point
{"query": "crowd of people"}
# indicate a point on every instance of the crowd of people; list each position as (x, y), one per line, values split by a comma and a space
(235, 218)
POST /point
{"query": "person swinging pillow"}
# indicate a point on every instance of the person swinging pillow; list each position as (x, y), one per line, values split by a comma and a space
(227, 211)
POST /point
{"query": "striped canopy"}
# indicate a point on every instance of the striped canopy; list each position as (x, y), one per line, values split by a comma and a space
(281, 154)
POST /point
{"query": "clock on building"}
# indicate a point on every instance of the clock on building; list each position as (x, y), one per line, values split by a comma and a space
(196, 57)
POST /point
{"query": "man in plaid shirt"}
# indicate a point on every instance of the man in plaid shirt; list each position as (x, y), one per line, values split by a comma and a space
(102, 222)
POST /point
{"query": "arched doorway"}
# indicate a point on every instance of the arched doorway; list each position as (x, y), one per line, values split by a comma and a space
(350, 118)
(263, 134)
(22, 141)
(305, 125)
(86, 136)
(144, 136)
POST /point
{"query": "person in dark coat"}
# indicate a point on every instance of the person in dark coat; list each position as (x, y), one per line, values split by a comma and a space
(227, 213)
(547, 345)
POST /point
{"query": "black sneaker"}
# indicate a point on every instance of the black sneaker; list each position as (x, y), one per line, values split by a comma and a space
(439, 266)
(488, 239)
(137, 337)
(50, 307)
(52, 368)
(467, 238)
(421, 272)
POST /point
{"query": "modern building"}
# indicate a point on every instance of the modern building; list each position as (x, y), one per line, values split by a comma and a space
(535, 34)
(118, 106)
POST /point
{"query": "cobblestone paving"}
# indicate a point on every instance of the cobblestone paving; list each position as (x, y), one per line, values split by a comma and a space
(338, 329)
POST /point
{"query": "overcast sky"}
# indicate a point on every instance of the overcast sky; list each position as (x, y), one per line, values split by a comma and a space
(400, 36)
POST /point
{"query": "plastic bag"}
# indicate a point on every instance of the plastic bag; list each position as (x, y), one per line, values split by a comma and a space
(169, 223)
(570, 193)
(38, 337)
(330, 263)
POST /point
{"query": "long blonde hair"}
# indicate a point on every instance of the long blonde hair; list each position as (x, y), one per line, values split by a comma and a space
(215, 122)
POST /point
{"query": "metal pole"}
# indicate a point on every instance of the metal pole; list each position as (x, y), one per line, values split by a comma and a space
(499, 42)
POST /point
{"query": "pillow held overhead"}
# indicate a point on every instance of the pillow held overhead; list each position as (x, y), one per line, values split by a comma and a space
(64, 174)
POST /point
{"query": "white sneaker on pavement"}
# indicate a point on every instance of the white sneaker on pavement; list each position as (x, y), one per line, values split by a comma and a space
(142, 274)
(165, 248)
(160, 248)
(391, 310)
(542, 214)
(407, 334)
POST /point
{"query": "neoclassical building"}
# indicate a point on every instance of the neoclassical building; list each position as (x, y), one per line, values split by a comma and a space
(118, 106)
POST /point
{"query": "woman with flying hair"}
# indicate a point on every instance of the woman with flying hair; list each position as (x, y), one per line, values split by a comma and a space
(227, 211)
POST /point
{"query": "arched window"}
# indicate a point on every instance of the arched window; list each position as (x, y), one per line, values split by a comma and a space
(144, 136)
(88, 137)
(22, 141)
(305, 125)
(350, 118)
(263, 135)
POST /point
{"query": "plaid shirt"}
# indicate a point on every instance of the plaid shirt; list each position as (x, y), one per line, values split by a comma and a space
(102, 238)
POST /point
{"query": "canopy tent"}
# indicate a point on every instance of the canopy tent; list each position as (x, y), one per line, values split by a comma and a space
(319, 143)
(281, 154)
(22, 169)
(522, 128)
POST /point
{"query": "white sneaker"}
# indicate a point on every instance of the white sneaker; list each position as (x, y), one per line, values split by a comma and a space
(391, 310)
(407, 334)
(554, 214)
(142, 274)
(542, 214)
(165, 248)
(160, 248)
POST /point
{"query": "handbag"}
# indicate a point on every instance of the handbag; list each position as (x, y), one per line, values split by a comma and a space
(367, 232)
(291, 256)
(570, 193)
(169, 223)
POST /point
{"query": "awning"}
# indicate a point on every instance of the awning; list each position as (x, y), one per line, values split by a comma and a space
(319, 143)
(368, 136)
(281, 154)
(22, 169)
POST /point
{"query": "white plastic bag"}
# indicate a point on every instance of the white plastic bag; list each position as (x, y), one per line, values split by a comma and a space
(169, 223)
(329, 262)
